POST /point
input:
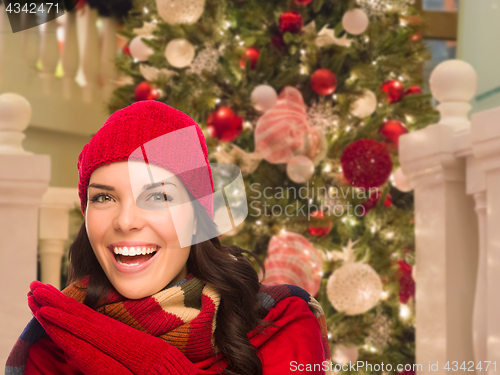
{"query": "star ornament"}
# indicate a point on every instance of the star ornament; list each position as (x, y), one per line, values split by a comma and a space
(349, 251)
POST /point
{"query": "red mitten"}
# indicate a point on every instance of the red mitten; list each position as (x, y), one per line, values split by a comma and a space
(98, 344)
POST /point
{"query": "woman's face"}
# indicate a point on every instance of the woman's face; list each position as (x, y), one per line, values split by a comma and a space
(114, 220)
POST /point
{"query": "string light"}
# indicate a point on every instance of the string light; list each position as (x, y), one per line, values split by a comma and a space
(327, 168)
(390, 235)
(340, 169)
(258, 222)
(218, 148)
(373, 229)
(237, 37)
(241, 43)
(374, 63)
(146, 10)
(384, 295)
(217, 100)
(404, 311)
(334, 96)
(347, 128)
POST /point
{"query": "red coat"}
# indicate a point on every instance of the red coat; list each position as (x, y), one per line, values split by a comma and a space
(293, 345)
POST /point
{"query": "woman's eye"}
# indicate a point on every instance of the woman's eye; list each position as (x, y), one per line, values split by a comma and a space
(96, 198)
(161, 197)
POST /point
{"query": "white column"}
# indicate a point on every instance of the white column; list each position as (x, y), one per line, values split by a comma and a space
(446, 235)
(54, 230)
(486, 147)
(24, 178)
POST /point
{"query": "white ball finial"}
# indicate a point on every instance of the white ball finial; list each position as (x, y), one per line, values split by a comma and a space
(15, 116)
(453, 81)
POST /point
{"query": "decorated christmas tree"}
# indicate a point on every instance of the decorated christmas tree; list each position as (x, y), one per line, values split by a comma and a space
(309, 99)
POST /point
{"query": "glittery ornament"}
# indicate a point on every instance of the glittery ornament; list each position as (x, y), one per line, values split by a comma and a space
(322, 113)
(207, 59)
(394, 90)
(324, 81)
(366, 163)
(291, 22)
(406, 282)
(354, 288)
(180, 11)
(379, 8)
(380, 332)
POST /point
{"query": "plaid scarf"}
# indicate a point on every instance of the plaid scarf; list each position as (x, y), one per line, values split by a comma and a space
(183, 314)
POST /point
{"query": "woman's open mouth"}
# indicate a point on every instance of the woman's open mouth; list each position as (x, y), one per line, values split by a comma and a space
(133, 258)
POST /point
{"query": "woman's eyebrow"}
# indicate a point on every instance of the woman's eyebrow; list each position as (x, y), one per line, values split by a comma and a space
(103, 187)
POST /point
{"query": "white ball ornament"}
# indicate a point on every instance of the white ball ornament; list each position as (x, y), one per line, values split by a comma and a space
(401, 182)
(180, 11)
(355, 21)
(365, 105)
(264, 97)
(300, 169)
(344, 354)
(179, 53)
(354, 288)
(139, 50)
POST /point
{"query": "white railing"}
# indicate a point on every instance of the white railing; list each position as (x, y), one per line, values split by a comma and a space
(454, 167)
(64, 68)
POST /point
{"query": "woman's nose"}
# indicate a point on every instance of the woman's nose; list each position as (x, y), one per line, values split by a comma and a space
(129, 216)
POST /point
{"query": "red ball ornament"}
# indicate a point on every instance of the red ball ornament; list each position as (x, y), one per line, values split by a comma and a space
(224, 125)
(144, 91)
(291, 22)
(303, 2)
(321, 224)
(366, 163)
(126, 50)
(393, 129)
(323, 81)
(394, 90)
(413, 90)
(251, 54)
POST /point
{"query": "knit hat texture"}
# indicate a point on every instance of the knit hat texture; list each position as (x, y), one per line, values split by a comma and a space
(139, 127)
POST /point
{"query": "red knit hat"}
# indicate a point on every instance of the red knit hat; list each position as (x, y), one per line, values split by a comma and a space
(142, 127)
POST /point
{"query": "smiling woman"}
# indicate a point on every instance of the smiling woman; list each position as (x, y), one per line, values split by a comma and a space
(150, 287)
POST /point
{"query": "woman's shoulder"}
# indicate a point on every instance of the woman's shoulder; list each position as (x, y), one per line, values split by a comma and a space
(45, 357)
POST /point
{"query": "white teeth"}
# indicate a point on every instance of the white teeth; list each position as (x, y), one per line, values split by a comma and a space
(129, 265)
(132, 251)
